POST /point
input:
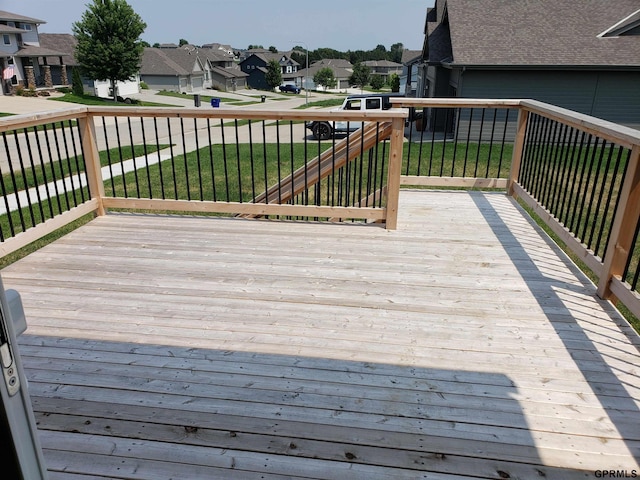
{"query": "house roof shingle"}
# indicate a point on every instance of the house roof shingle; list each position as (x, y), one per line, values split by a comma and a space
(167, 61)
(14, 17)
(541, 33)
(61, 42)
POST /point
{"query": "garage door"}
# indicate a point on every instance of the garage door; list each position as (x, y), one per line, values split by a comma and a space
(196, 83)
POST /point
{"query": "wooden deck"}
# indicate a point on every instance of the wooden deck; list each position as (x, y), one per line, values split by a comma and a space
(461, 345)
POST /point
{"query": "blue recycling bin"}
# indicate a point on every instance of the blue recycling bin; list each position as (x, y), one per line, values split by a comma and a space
(215, 102)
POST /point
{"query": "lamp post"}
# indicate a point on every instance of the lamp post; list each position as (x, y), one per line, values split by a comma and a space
(306, 72)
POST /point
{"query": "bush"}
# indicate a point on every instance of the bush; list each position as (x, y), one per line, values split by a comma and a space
(76, 83)
(144, 86)
(377, 82)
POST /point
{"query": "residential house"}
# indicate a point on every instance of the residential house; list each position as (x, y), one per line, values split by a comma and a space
(255, 66)
(222, 71)
(384, 68)
(342, 70)
(23, 61)
(66, 43)
(584, 56)
(174, 69)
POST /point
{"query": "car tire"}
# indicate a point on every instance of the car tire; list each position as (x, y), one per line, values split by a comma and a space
(322, 131)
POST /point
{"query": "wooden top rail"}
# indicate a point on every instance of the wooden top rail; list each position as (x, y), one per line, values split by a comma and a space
(31, 119)
(249, 114)
(454, 102)
(621, 135)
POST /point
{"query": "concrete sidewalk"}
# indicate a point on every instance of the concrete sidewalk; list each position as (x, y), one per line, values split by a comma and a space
(19, 105)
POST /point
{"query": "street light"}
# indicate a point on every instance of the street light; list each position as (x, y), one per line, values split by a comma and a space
(306, 72)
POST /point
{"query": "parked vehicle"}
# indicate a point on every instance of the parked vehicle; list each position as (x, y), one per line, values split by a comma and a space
(289, 88)
(325, 130)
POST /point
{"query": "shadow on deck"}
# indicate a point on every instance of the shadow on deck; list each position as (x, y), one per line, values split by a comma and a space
(464, 344)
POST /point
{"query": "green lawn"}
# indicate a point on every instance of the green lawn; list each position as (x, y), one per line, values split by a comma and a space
(330, 102)
(102, 102)
(207, 98)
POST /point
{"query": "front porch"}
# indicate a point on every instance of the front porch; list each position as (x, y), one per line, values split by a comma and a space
(463, 344)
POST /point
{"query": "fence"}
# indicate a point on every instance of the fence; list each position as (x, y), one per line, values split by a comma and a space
(578, 173)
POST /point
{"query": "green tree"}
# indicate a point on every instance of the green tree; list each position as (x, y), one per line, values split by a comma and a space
(274, 74)
(395, 52)
(325, 78)
(76, 82)
(182, 42)
(361, 76)
(377, 82)
(109, 45)
(273, 49)
(394, 82)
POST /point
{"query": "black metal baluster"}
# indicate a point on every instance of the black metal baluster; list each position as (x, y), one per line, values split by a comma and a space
(44, 173)
(504, 140)
(121, 159)
(173, 162)
(146, 157)
(611, 189)
(211, 162)
(109, 163)
(601, 215)
(224, 161)
(475, 168)
(155, 128)
(15, 189)
(238, 157)
(184, 158)
(23, 175)
(195, 133)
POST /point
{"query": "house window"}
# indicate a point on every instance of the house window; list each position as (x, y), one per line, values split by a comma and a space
(6, 39)
(26, 26)
(289, 69)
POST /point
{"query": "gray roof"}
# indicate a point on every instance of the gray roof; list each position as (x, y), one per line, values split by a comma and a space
(14, 17)
(410, 56)
(7, 29)
(382, 63)
(167, 61)
(333, 62)
(233, 72)
(34, 51)
(338, 72)
(61, 42)
(540, 33)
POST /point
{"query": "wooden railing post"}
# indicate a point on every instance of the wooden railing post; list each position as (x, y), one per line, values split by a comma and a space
(518, 149)
(624, 226)
(92, 160)
(395, 168)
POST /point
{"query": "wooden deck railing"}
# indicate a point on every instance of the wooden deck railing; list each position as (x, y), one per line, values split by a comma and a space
(578, 173)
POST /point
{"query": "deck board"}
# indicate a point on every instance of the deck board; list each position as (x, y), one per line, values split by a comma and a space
(463, 344)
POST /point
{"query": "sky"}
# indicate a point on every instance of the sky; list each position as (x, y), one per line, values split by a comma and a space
(339, 24)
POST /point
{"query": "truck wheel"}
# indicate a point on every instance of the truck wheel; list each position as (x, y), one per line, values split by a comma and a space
(322, 131)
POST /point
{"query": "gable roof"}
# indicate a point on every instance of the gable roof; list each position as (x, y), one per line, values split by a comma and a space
(381, 63)
(541, 33)
(61, 42)
(333, 62)
(410, 56)
(167, 61)
(267, 56)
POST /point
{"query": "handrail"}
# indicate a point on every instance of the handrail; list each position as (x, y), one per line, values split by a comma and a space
(542, 142)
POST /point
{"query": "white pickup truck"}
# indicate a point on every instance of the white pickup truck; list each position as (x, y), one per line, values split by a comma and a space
(324, 130)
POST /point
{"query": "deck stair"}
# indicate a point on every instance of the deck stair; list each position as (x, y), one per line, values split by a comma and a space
(328, 162)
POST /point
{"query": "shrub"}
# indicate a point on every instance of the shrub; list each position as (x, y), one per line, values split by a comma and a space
(76, 83)
(144, 86)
